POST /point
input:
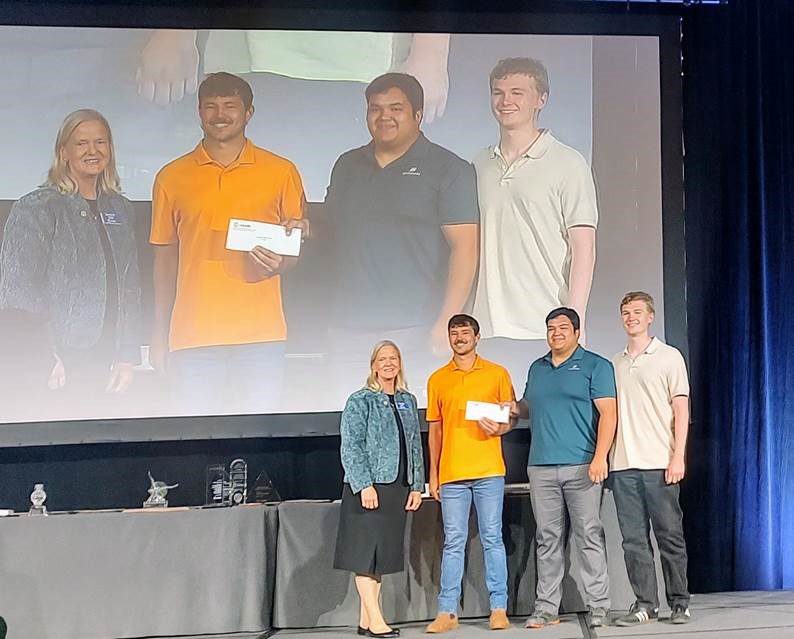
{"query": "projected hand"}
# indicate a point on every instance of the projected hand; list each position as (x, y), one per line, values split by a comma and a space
(427, 62)
(57, 377)
(299, 223)
(369, 498)
(414, 500)
(265, 263)
(434, 79)
(158, 354)
(121, 375)
(168, 66)
(675, 471)
(439, 339)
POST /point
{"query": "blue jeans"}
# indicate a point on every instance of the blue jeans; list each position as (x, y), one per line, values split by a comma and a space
(456, 497)
(235, 379)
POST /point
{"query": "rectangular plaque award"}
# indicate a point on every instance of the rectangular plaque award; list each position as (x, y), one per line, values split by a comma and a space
(217, 486)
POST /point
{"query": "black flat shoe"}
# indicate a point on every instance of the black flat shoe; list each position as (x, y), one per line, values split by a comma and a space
(394, 632)
(362, 632)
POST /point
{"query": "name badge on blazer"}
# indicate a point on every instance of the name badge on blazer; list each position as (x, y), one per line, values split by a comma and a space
(111, 218)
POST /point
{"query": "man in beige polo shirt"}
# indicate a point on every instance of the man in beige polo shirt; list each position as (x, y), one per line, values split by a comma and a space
(538, 218)
(647, 462)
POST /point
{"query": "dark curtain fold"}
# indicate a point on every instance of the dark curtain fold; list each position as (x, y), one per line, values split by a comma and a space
(739, 136)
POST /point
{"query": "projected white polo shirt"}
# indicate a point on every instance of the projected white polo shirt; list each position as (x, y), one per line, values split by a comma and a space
(526, 210)
(647, 384)
(310, 55)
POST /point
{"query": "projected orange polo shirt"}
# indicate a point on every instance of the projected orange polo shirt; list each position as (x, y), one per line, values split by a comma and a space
(193, 200)
(466, 451)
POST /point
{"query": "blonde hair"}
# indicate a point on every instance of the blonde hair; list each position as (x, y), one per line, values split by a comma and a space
(373, 383)
(638, 296)
(58, 175)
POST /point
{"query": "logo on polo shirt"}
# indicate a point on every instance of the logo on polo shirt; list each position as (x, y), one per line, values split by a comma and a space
(574, 367)
(414, 170)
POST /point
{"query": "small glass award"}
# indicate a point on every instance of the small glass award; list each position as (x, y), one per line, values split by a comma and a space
(263, 490)
(238, 482)
(157, 494)
(217, 486)
(37, 499)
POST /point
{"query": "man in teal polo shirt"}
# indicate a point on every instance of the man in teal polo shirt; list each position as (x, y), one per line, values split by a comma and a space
(570, 401)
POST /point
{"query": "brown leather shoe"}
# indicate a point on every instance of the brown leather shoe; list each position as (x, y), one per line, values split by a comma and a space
(444, 622)
(498, 620)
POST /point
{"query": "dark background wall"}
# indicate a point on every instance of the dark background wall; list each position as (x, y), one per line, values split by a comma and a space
(114, 475)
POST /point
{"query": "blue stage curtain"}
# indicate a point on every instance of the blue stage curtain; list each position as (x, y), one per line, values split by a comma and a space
(739, 138)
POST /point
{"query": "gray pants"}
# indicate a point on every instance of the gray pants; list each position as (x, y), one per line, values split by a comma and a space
(555, 492)
(642, 497)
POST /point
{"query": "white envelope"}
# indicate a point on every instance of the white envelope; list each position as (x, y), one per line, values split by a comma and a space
(244, 235)
(478, 410)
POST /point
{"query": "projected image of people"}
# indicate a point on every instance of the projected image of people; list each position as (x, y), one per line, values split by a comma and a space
(539, 218)
(291, 197)
(69, 262)
(169, 63)
(404, 218)
(219, 326)
(303, 65)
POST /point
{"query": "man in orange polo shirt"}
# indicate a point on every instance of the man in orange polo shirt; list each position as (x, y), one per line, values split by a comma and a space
(466, 465)
(219, 324)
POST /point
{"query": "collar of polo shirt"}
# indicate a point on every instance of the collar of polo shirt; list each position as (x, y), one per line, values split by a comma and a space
(536, 150)
(417, 150)
(477, 365)
(247, 155)
(576, 355)
(653, 345)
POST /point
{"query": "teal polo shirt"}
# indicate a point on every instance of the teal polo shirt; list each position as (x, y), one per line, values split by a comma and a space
(562, 416)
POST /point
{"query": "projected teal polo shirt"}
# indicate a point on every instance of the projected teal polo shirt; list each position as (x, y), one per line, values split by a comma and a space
(562, 417)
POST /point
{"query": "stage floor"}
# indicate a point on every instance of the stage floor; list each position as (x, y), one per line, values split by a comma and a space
(745, 615)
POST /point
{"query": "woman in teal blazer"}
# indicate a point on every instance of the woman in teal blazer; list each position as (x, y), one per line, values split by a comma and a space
(384, 476)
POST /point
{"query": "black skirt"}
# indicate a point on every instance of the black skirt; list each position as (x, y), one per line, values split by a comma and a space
(370, 542)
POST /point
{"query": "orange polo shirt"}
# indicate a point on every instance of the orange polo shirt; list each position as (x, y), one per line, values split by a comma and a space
(466, 451)
(193, 200)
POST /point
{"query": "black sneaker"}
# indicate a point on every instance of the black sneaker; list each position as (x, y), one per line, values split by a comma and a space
(598, 617)
(3, 628)
(680, 614)
(637, 615)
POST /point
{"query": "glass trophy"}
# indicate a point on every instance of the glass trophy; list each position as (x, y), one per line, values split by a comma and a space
(157, 494)
(263, 490)
(238, 482)
(217, 486)
(37, 499)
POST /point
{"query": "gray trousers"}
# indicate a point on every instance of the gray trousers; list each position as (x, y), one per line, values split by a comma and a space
(557, 491)
(643, 498)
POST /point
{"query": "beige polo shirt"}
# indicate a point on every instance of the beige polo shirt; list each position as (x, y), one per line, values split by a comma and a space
(526, 210)
(646, 386)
